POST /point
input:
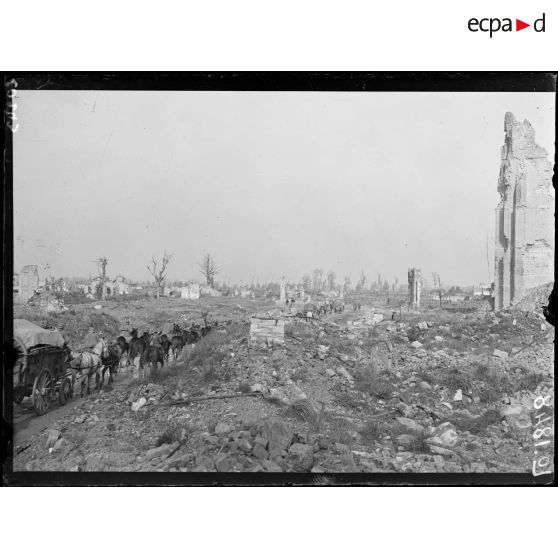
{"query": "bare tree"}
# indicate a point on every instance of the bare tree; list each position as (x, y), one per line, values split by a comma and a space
(209, 270)
(361, 282)
(331, 280)
(437, 286)
(347, 283)
(159, 276)
(102, 267)
(317, 279)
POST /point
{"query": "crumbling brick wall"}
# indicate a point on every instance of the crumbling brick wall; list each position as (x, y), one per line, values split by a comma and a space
(524, 251)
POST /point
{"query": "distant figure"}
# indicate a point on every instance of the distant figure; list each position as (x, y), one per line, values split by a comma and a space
(91, 339)
(358, 306)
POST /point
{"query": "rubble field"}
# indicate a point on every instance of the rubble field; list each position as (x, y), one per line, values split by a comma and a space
(457, 389)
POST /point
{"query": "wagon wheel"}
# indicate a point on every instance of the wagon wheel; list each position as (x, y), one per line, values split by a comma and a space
(41, 392)
(65, 392)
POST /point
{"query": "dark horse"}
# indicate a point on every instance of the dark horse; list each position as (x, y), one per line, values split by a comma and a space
(123, 344)
(137, 347)
(152, 356)
(190, 336)
(110, 359)
(177, 344)
(166, 344)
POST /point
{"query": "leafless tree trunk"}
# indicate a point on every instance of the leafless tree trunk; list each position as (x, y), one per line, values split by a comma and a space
(347, 283)
(159, 276)
(102, 265)
(437, 286)
(209, 270)
(331, 280)
(361, 282)
(317, 279)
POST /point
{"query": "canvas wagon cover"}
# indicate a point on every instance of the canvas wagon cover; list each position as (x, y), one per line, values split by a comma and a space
(31, 334)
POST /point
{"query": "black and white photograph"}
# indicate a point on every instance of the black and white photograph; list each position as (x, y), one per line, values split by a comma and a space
(280, 277)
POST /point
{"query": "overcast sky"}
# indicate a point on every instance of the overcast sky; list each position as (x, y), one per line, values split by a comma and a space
(267, 183)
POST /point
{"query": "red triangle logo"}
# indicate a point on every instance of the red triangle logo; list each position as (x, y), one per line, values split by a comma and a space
(519, 25)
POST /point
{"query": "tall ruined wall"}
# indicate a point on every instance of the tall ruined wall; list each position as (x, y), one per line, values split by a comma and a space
(524, 251)
(414, 277)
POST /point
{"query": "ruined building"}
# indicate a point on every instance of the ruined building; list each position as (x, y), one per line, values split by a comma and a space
(524, 252)
(415, 284)
(28, 284)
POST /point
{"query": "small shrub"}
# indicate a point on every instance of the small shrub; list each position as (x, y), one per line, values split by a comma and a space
(529, 382)
(349, 400)
(475, 425)
(454, 379)
(304, 410)
(371, 431)
(489, 395)
(373, 383)
(341, 431)
(482, 371)
(209, 374)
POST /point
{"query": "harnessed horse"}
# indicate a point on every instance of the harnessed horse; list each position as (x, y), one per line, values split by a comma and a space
(110, 359)
(99, 358)
(86, 361)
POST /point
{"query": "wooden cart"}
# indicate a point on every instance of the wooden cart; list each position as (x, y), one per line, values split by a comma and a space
(41, 372)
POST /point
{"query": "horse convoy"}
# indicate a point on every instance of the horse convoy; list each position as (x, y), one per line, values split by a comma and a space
(46, 369)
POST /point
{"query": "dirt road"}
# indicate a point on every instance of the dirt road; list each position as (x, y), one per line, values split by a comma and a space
(27, 423)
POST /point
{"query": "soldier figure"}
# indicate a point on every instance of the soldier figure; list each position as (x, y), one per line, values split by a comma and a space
(91, 339)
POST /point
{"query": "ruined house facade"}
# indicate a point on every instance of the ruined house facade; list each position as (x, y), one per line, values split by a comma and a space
(190, 291)
(28, 280)
(524, 251)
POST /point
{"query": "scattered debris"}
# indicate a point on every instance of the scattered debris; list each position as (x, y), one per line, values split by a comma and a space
(340, 395)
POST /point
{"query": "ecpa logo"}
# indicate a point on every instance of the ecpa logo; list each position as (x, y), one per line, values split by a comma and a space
(492, 25)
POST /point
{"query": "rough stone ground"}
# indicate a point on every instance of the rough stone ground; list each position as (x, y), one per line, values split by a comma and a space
(449, 390)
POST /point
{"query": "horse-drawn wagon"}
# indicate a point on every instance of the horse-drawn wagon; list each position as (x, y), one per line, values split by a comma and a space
(41, 369)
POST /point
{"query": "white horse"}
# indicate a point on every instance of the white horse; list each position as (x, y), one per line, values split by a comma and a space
(86, 363)
(95, 361)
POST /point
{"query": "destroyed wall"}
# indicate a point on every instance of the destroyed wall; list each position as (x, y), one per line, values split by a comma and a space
(190, 292)
(269, 332)
(524, 251)
(414, 278)
(28, 283)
